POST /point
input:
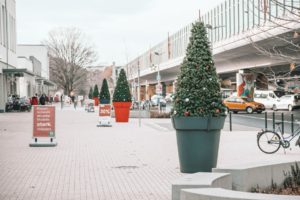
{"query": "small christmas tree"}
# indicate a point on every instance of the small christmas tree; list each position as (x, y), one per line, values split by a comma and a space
(122, 92)
(91, 93)
(198, 89)
(96, 91)
(104, 93)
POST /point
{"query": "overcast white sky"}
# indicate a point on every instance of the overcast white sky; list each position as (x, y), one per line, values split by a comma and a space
(116, 27)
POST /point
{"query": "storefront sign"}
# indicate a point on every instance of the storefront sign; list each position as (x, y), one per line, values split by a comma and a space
(44, 121)
(104, 110)
(104, 115)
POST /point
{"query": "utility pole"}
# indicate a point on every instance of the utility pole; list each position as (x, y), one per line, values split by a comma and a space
(139, 94)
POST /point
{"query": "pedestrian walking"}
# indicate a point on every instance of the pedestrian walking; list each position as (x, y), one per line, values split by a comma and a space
(75, 103)
(62, 101)
(34, 100)
(43, 99)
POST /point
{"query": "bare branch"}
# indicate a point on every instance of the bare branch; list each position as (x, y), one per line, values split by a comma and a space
(69, 53)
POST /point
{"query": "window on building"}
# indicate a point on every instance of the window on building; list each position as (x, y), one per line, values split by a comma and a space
(279, 10)
(242, 15)
(233, 16)
(237, 14)
(218, 27)
(222, 21)
(246, 18)
(4, 34)
(251, 14)
(227, 16)
(256, 12)
(296, 5)
(289, 5)
(1, 27)
(214, 27)
(229, 19)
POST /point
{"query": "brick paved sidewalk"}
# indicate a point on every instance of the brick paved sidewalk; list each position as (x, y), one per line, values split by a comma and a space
(122, 162)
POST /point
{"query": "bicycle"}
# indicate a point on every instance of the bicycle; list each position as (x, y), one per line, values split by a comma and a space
(270, 141)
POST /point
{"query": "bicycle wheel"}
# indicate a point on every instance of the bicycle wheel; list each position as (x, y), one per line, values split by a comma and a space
(268, 142)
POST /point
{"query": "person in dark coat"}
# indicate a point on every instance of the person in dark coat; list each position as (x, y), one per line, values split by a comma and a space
(43, 99)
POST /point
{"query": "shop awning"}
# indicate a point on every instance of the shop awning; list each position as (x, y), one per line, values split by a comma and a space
(17, 72)
(46, 81)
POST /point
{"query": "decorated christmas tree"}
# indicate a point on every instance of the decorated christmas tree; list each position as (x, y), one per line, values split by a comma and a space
(198, 89)
(122, 92)
(91, 93)
(104, 93)
(96, 91)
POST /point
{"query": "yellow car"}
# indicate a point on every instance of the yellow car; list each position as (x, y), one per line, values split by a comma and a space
(236, 104)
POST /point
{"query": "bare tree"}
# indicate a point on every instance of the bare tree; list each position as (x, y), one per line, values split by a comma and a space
(284, 47)
(69, 53)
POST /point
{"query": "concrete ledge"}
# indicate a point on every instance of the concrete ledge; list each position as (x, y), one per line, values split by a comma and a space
(135, 114)
(245, 177)
(201, 180)
(224, 194)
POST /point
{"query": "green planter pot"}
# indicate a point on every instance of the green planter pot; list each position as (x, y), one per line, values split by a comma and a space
(198, 142)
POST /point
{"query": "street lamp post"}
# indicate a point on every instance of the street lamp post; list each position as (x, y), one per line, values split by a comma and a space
(158, 78)
(139, 95)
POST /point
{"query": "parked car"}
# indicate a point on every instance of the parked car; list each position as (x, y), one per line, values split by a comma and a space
(288, 102)
(243, 104)
(146, 104)
(266, 97)
(156, 99)
(169, 97)
(134, 105)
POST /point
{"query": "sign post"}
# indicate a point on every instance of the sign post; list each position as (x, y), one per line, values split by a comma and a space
(104, 115)
(43, 126)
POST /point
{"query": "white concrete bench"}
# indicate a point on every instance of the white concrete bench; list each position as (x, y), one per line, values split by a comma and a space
(246, 177)
(201, 180)
(224, 194)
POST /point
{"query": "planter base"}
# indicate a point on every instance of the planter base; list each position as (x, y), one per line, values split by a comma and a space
(122, 111)
(198, 142)
(198, 150)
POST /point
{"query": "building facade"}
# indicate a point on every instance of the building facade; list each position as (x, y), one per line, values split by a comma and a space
(40, 52)
(8, 58)
(35, 55)
(96, 74)
(243, 35)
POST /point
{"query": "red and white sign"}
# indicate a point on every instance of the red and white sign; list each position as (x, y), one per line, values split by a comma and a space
(104, 110)
(43, 121)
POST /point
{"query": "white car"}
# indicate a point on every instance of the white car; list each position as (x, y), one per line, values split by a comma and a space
(156, 98)
(169, 97)
(266, 97)
(288, 102)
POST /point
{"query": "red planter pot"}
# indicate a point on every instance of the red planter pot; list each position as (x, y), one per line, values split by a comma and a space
(122, 111)
(96, 101)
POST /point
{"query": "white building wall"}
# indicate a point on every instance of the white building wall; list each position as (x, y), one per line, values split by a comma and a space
(24, 62)
(8, 43)
(8, 38)
(38, 51)
(26, 86)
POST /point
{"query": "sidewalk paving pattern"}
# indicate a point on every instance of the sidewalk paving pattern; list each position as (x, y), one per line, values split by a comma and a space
(121, 162)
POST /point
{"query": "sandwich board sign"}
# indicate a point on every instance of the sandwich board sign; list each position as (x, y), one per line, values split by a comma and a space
(104, 115)
(43, 126)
